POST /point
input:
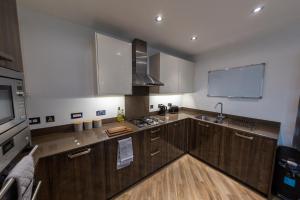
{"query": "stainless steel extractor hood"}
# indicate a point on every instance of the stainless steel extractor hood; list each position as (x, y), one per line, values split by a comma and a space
(140, 76)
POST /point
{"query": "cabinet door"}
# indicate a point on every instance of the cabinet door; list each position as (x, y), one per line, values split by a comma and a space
(169, 73)
(235, 155)
(10, 51)
(114, 65)
(41, 174)
(118, 180)
(77, 175)
(186, 76)
(205, 142)
(176, 140)
(259, 175)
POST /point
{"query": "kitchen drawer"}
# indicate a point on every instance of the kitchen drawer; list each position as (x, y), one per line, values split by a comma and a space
(155, 133)
(155, 145)
(156, 160)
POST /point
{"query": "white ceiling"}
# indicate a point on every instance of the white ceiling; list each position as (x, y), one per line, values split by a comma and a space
(216, 22)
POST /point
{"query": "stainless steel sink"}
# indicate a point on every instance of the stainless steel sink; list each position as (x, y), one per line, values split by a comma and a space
(210, 119)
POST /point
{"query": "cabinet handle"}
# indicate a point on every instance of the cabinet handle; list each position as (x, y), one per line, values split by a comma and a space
(36, 191)
(243, 136)
(6, 57)
(75, 155)
(155, 131)
(155, 153)
(154, 139)
(204, 125)
(175, 124)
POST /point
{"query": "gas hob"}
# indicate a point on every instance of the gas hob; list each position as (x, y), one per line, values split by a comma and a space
(147, 121)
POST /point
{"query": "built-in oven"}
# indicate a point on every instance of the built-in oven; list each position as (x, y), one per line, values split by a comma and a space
(14, 130)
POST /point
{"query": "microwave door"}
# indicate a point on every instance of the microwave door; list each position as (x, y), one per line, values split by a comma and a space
(6, 104)
(9, 113)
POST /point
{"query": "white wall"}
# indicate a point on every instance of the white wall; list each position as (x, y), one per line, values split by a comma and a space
(175, 99)
(59, 71)
(281, 52)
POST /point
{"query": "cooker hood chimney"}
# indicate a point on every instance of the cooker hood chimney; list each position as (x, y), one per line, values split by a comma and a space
(140, 76)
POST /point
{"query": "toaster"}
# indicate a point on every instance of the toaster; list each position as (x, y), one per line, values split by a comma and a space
(173, 109)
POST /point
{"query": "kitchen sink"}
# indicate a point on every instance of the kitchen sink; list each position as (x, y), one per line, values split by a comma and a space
(210, 119)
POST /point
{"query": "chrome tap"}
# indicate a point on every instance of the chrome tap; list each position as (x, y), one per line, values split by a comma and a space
(220, 116)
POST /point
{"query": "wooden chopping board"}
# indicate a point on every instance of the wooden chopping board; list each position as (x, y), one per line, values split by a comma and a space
(118, 130)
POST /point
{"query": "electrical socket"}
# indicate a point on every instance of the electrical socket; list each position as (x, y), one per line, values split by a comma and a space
(76, 115)
(34, 120)
(100, 112)
(50, 118)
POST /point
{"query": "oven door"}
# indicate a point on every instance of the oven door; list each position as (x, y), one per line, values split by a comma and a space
(12, 112)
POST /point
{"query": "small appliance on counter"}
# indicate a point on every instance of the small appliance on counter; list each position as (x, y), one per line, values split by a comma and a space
(173, 109)
(162, 109)
(286, 182)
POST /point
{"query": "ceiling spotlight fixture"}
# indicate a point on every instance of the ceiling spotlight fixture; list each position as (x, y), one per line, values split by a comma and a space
(194, 37)
(257, 9)
(158, 18)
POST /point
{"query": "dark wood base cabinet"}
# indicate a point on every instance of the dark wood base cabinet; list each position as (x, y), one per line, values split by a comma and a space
(119, 179)
(91, 172)
(75, 175)
(204, 142)
(176, 140)
(248, 157)
(245, 156)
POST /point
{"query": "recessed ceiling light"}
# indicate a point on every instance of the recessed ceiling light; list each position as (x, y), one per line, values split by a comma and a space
(257, 9)
(158, 18)
(194, 37)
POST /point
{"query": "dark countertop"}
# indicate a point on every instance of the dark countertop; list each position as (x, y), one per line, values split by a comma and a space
(55, 143)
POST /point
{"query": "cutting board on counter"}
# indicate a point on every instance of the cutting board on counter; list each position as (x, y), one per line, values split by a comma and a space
(118, 130)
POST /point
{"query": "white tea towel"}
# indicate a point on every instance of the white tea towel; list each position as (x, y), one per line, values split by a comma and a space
(23, 173)
(125, 153)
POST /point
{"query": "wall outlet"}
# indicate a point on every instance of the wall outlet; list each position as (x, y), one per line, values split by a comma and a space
(100, 112)
(151, 106)
(50, 119)
(34, 120)
(76, 115)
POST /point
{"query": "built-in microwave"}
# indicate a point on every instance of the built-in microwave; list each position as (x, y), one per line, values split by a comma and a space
(14, 129)
(12, 100)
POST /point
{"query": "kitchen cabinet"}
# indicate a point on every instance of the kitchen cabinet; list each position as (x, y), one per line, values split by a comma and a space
(204, 141)
(76, 175)
(248, 157)
(186, 76)
(176, 140)
(156, 148)
(10, 50)
(120, 179)
(114, 66)
(177, 74)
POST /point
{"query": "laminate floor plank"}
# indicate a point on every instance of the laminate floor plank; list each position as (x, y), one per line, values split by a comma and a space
(189, 179)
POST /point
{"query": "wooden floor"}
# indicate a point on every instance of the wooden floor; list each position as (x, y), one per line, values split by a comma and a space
(189, 179)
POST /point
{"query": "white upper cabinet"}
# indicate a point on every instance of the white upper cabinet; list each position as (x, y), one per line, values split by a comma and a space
(114, 66)
(177, 74)
(186, 76)
(168, 74)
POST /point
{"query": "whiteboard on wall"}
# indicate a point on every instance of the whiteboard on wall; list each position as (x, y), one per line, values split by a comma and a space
(237, 82)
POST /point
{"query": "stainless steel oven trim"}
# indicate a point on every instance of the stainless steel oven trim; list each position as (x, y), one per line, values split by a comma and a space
(21, 140)
(13, 131)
